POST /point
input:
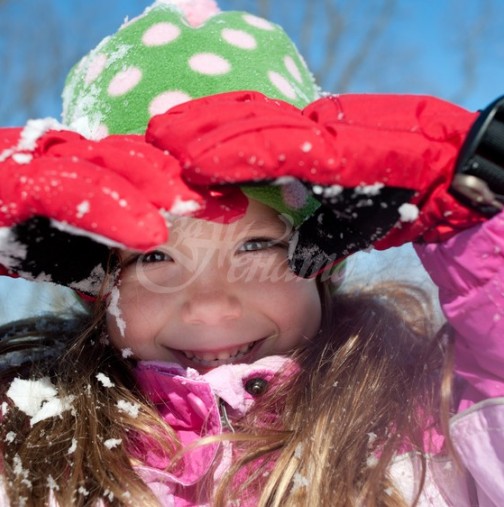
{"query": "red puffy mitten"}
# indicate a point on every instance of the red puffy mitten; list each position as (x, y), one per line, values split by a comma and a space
(381, 165)
(65, 200)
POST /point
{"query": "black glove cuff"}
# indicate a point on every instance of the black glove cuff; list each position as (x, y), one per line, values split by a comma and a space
(479, 176)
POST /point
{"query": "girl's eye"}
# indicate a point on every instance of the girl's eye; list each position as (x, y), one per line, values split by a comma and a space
(260, 244)
(153, 257)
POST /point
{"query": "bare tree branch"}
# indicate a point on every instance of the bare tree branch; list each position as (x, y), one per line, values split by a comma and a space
(264, 9)
(380, 24)
(332, 41)
(468, 40)
(338, 38)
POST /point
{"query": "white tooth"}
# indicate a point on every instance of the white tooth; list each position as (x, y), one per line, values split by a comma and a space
(189, 355)
(223, 355)
(244, 348)
(207, 356)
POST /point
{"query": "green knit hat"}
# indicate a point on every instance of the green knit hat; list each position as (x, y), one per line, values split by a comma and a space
(176, 51)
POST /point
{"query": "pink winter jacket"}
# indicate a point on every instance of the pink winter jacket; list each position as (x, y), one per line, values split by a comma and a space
(469, 271)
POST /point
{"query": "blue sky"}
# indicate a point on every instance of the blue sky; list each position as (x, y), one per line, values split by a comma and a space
(419, 52)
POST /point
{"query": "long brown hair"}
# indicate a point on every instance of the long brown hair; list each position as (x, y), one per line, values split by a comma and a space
(67, 456)
(367, 387)
(337, 423)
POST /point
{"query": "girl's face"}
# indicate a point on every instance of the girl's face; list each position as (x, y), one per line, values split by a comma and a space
(214, 294)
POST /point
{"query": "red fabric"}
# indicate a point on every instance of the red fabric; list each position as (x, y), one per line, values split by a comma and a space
(404, 141)
(114, 188)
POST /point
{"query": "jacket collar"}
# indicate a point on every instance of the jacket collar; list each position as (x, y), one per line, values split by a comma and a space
(189, 403)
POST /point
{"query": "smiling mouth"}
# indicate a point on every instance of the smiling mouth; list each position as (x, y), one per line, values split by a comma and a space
(227, 356)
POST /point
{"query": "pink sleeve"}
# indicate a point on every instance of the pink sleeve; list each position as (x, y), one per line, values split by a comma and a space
(469, 271)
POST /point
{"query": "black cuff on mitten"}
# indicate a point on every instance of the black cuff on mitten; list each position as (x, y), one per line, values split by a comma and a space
(45, 253)
(479, 178)
(347, 222)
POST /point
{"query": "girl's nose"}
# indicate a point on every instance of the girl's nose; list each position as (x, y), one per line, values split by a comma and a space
(211, 308)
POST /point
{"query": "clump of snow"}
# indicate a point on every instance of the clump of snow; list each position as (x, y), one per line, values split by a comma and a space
(330, 191)
(408, 212)
(29, 136)
(112, 442)
(82, 107)
(51, 483)
(372, 461)
(38, 399)
(284, 180)
(306, 147)
(298, 451)
(104, 380)
(369, 189)
(34, 130)
(73, 446)
(371, 438)
(299, 481)
(126, 352)
(93, 283)
(10, 437)
(83, 208)
(22, 158)
(83, 491)
(114, 310)
(20, 471)
(129, 408)
(181, 207)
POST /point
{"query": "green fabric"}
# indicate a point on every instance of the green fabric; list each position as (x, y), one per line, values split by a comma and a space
(289, 199)
(158, 60)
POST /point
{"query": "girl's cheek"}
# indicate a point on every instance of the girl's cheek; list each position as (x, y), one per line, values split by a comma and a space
(264, 267)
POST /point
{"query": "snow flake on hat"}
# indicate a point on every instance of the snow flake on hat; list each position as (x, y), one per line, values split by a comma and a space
(89, 129)
(124, 81)
(160, 34)
(257, 22)
(209, 63)
(239, 38)
(282, 84)
(162, 58)
(166, 100)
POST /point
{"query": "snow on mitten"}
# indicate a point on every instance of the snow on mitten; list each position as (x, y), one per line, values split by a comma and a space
(175, 51)
(64, 201)
(381, 165)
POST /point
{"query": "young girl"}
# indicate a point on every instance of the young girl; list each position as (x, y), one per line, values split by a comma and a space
(209, 373)
(219, 361)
